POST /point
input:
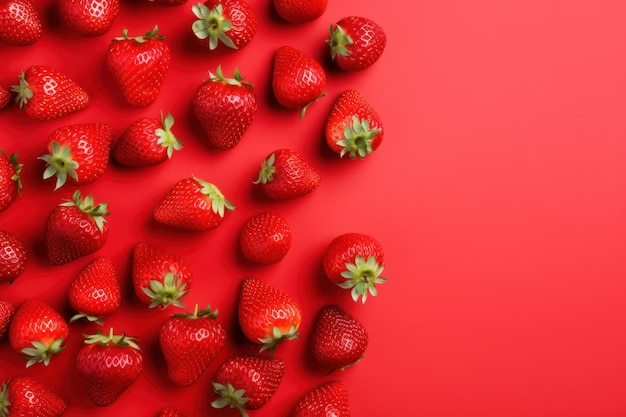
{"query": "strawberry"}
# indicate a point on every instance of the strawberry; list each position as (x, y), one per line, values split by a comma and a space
(190, 342)
(139, 66)
(37, 331)
(13, 256)
(356, 43)
(267, 315)
(6, 313)
(353, 127)
(146, 142)
(108, 365)
(225, 108)
(328, 399)
(26, 396)
(78, 153)
(10, 183)
(339, 340)
(285, 175)
(354, 261)
(96, 291)
(265, 238)
(300, 11)
(44, 93)
(160, 277)
(20, 23)
(170, 412)
(224, 26)
(88, 17)
(192, 204)
(298, 80)
(75, 228)
(5, 96)
(247, 382)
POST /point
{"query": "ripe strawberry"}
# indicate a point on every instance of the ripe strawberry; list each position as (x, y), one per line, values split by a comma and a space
(88, 17)
(298, 80)
(329, 399)
(265, 238)
(353, 127)
(286, 175)
(300, 11)
(247, 382)
(170, 412)
(76, 228)
(356, 43)
(139, 66)
(45, 93)
(37, 331)
(108, 365)
(146, 142)
(192, 204)
(10, 183)
(190, 342)
(224, 26)
(160, 277)
(96, 291)
(5, 96)
(355, 261)
(339, 340)
(6, 313)
(225, 108)
(13, 256)
(26, 396)
(78, 153)
(20, 23)
(267, 315)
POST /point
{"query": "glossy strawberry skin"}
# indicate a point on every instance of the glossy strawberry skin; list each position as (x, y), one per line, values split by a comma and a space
(286, 174)
(10, 183)
(244, 23)
(300, 11)
(344, 249)
(265, 238)
(170, 412)
(20, 22)
(29, 397)
(13, 256)
(5, 96)
(6, 313)
(88, 17)
(96, 291)
(366, 45)
(329, 399)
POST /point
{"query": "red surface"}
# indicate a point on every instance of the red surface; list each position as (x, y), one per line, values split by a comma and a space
(498, 195)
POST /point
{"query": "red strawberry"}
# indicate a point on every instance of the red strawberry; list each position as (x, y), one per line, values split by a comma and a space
(190, 342)
(20, 23)
(355, 261)
(45, 93)
(5, 96)
(139, 66)
(329, 399)
(192, 204)
(146, 142)
(160, 277)
(88, 17)
(265, 238)
(298, 80)
(13, 256)
(78, 153)
(286, 175)
(37, 331)
(96, 291)
(6, 313)
(225, 108)
(10, 183)
(26, 396)
(170, 412)
(108, 365)
(76, 228)
(356, 43)
(267, 315)
(353, 127)
(224, 26)
(247, 382)
(300, 11)
(339, 340)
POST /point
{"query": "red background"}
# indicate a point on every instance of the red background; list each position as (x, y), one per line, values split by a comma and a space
(498, 194)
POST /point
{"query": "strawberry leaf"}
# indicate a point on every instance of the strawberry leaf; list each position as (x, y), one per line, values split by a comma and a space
(362, 277)
(212, 24)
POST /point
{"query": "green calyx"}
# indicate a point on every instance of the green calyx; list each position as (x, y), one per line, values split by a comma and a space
(59, 163)
(24, 93)
(303, 109)
(150, 34)
(90, 318)
(357, 139)
(18, 170)
(229, 396)
(277, 337)
(219, 203)
(87, 206)
(266, 174)
(111, 338)
(219, 77)
(198, 313)
(42, 352)
(166, 137)
(212, 24)
(5, 403)
(168, 292)
(362, 277)
(338, 42)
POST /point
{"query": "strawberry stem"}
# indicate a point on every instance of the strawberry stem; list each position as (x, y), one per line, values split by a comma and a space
(111, 338)
(219, 203)
(166, 137)
(231, 397)
(357, 139)
(338, 42)
(212, 24)
(168, 292)
(97, 212)
(24, 93)
(59, 163)
(362, 277)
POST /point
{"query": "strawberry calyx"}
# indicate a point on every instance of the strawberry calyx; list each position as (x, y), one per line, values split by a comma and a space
(150, 34)
(24, 93)
(111, 338)
(5, 402)
(303, 109)
(197, 314)
(87, 206)
(362, 277)
(219, 203)
(166, 137)
(42, 352)
(357, 139)
(18, 169)
(277, 337)
(338, 42)
(237, 79)
(89, 317)
(59, 163)
(229, 396)
(166, 292)
(212, 24)
(266, 174)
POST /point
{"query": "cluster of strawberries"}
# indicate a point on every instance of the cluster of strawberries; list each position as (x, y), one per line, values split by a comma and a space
(79, 154)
